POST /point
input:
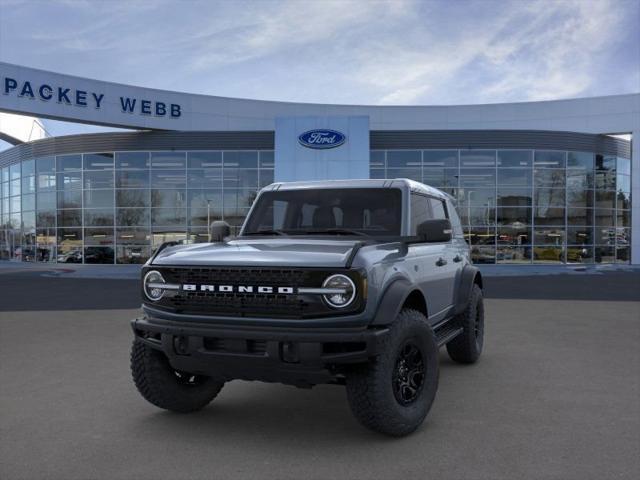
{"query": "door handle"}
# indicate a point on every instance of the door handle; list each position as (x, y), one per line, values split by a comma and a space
(441, 262)
(457, 258)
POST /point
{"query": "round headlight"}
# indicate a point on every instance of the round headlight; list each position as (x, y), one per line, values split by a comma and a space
(152, 285)
(344, 291)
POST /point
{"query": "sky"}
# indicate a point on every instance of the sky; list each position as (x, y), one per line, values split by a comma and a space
(395, 52)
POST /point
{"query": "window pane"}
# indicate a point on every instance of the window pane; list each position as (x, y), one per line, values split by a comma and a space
(440, 159)
(514, 215)
(98, 254)
(605, 217)
(477, 196)
(624, 218)
(29, 202)
(513, 254)
(133, 198)
(70, 218)
(170, 198)
(483, 254)
(45, 165)
(241, 159)
(549, 159)
(98, 199)
(132, 178)
(579, 178)
(46, 201)
(548, 254)
(28, 168)
(623, 183)
(514, 176)
(580, 254)
(98, 217)
(514, 234)
(132, 217)
(623, 166)
(168, 160)
(169, 179)
(404, 158)
(580, 236)
(98, 161)
(133, 236)
(28, 184)
(477, 215)
(204, 198)
(605, 235)
(623, 254)
(46, 181)
(549, 178)
(549, 236)
(583, 160)
(98, 179)
(548, 197)
(517, 197)
(70, 180)
(69, 162)
(376, 159)
(14, 187)
(420, 211)
(204, 159)
(267, 159)
(46, 219)
(235, 199)
(548, 216)
(477, 177)
(514, 158)
(577, 197)
(477, 158)
(266, 177)
(605, 163)
(605, 199)
(132, 160)
(205, 178)
(70, 199)
(132, 254)
(239, 178)
(411, 173)
(605, 254)
(440, 177)
(579, 216)
(168, 217)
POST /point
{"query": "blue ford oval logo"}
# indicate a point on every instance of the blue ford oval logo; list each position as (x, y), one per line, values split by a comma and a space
(322, 138)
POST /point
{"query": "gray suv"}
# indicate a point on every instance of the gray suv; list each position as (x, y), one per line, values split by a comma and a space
(355, 283)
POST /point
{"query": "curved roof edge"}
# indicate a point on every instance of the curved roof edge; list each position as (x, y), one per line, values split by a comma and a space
(264, 140)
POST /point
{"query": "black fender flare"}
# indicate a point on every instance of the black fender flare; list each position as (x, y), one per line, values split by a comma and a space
(469, 276)
(392, 300)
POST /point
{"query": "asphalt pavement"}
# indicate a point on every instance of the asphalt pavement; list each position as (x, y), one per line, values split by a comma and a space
(555, 396)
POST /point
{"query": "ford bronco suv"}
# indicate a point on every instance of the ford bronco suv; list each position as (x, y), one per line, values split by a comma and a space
(356, 283)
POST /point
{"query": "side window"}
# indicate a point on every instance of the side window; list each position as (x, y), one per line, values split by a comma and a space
(438, 209)
(455, 220)
(420, 211)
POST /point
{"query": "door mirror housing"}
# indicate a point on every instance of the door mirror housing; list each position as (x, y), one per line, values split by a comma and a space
(434, 231)
(219, 230)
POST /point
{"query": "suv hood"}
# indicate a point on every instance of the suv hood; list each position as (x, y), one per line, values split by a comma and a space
(270, 252)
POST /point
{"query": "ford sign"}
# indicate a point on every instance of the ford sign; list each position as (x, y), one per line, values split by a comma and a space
(322, 138)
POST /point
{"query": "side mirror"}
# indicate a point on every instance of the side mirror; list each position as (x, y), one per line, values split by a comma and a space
(434, 231)
(219, 230)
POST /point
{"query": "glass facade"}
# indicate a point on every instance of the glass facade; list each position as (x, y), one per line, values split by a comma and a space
(517, 206)
(528, 206)
(117, 207)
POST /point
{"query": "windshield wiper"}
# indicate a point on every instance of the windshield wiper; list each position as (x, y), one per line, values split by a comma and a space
(337, 231)
(266, 232)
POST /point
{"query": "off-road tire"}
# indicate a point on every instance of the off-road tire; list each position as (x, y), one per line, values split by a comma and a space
(370, 387)
(166, 388)
(467, 347)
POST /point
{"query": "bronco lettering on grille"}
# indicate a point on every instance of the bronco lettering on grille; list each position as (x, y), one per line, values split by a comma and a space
(191, 287)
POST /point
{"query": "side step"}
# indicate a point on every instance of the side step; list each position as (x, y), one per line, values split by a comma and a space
(447, 332)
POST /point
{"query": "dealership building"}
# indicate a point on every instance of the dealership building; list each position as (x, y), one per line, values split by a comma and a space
(539, 182)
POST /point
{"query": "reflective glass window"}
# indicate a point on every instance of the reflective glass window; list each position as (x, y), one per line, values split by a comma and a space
(46, 181)
(4, 174)
(266, 177)
(98, 199)
(623, 183)
(132, 254)
(582, 254)
(204, 159)
(549, 178)
(515, 158)
(605, 199)
(548, 215)
(98, 254)
(605, 235)
(70, 218)
(28, 168)
(471, 215)
(133, 236)
(97, 161)
(168, 160)
(404, 158)
(440, 177)
(266, 159)
(98, 179)
(420, 211)
(238, 198)
(46, 165)
(170, 198)
(66, 199)
(132, 216)
(579, 198)
(549, 159)
(440, 159)
(623, 254)
(377, 159)
(605, 163)
(14, 171)
(514, 215)
(582, 160)
(168, 179)
(514, 176)
(168, 217)
(95, 217)
(604, 217)
(14, 204)
(14, 187)
(28, 184)
(549, 236)
(579, 178)
(483, 254)
(477, 196)
(46, 201)
(135, 160)
(132, 178)
(623, 218)
(605, 254)
(240, 178)
(515, 255)
(477, 158)
(548, 254)
(514, 234)
(46, 218)
(549, 197)
(377, 173)
(68, 162)
(133, 198)
(579, 216)
(477, 177)
(204, 178)
(29, 202)
(410, 173)
(580, 236)
(514, 197)
(69, 180)
(623, 166)
(240, 159)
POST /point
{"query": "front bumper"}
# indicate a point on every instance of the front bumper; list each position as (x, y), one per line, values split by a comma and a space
(292, 355)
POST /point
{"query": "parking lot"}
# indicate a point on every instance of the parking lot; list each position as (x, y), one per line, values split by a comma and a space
(555, 395)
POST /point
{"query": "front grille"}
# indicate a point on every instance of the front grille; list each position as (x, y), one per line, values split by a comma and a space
(271, 305)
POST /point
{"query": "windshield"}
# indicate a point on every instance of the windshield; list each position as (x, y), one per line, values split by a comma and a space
(344, 211)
